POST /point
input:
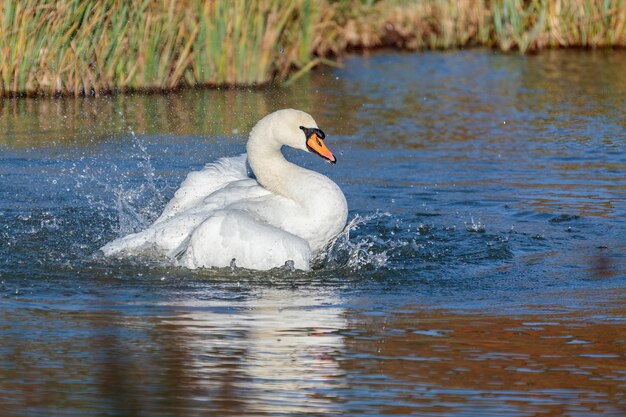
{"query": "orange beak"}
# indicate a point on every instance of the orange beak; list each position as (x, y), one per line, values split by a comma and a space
(317, 145)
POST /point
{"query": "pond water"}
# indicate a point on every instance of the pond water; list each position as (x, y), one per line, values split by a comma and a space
(484, 272)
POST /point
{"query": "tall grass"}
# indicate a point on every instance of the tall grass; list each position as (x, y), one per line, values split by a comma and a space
(86, 47)
(536, 24)
(505, 24)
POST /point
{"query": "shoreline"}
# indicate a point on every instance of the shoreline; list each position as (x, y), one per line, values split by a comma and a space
(273, 85)
(75, 48)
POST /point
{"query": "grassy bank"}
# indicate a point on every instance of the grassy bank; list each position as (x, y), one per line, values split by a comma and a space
(74, 47)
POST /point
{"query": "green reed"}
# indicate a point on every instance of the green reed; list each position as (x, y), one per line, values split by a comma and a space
(88, 47)
(74, 47)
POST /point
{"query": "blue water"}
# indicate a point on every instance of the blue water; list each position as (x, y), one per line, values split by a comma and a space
(483, 188)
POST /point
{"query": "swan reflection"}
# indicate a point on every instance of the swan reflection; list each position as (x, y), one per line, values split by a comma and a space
(276, 352)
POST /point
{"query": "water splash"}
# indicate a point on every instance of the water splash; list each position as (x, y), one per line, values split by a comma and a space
(145, 163)
(134, 208)
(137, 206)
(368, 242)
(356, 253)
(475, 227)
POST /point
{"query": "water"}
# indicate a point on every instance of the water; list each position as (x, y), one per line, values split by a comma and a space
(483, 274)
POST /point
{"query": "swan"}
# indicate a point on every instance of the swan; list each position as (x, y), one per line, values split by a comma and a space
(223, 215)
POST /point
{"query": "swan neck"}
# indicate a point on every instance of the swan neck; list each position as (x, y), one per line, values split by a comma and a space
(271, 168)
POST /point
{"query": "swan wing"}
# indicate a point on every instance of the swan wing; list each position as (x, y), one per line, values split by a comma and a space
(229, 236)
(223, 192)
(201, 184)
(218, 184)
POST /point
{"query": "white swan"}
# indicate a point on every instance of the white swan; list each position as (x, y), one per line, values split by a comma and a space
(221, 213)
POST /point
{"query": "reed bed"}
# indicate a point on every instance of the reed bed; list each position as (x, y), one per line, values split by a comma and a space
(74, 47)
(89, 47)
(523, 25)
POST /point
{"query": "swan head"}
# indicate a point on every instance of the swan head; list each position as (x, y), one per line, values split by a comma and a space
(296, 129)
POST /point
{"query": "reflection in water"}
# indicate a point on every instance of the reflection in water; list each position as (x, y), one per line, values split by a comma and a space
(311, 355)
(276, 354)
(215, 113)
(439, 362)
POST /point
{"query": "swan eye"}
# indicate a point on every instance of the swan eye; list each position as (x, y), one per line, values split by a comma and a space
(310, 131)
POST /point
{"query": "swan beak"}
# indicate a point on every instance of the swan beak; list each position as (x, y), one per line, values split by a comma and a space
(317, 145)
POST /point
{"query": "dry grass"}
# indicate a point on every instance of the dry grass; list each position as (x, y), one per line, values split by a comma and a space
(74, 47)
(506, 24)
